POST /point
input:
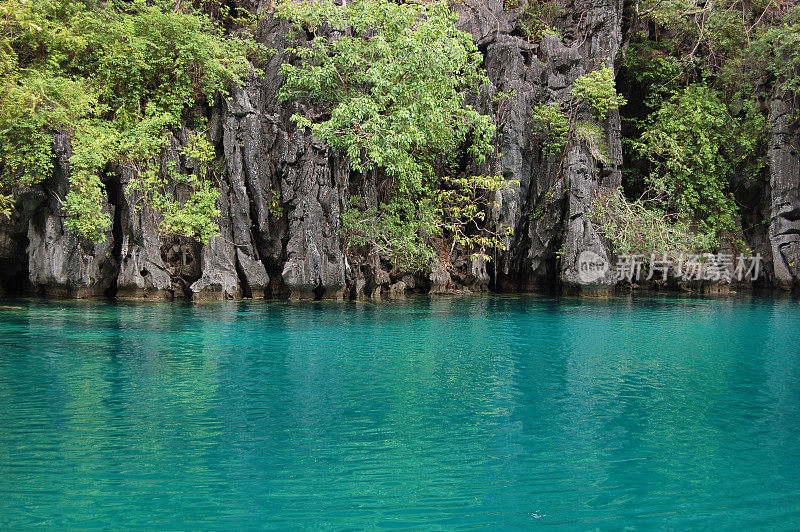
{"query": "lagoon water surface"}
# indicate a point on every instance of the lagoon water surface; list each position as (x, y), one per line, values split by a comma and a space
(508, 412)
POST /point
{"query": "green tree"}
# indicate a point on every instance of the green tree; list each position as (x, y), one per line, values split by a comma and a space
(389, 82)
(699, 75)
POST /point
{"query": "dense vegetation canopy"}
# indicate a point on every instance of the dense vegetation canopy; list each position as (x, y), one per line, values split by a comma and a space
(118, 77)
(700, 77)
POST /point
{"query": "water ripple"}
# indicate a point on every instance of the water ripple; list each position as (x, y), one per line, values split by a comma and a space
(508, 412)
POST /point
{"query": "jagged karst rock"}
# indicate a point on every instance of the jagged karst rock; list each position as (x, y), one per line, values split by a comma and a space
(440, 279)
(579, 234)
(142, 272)
(60, 263)
(315, 264)
(286, 189)
(283, 190)
(550, 207)
(248, 187)
(219, 279)
(784, 230)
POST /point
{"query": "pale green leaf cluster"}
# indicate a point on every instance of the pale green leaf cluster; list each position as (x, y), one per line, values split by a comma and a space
(398, 229)
(6, 202)
(195, 215)
(464, 204)
(598, 90)
(780, 46)
(592, 136)
(551, 124)
(556, 123)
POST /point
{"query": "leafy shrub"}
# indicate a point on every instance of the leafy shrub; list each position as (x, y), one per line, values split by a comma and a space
(641, 227)
(540, 17)
(556, 122)
(597, 89)
(552, 125)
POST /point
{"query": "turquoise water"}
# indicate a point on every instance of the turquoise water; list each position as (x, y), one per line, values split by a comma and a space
(511, 412)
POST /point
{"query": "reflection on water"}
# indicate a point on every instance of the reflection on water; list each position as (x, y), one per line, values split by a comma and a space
(511, 411)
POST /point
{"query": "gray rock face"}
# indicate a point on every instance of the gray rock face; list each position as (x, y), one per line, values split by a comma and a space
(59, 263)
(784, 230)
(285, 189)
(232, 266)
(549, 208)
(142, 272)
(579, 235)
(315, 261)
(440, 279)
(220, 279)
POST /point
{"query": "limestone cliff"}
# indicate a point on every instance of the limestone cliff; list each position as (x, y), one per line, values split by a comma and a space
(283, 190)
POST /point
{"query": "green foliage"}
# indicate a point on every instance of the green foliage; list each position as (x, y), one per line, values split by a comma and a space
(194, 217)
(539, 18)
(118, 76)
(160, 187)
(462, 205)
(597, 89)
(397, 230)
(552, 125)
(391, 85)
(700, 73)
(780, 46)
(691, 142)
(592, 137)
(83, 207)
(395, 88)
(276, 207)
(6, 202)
(653, 65)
